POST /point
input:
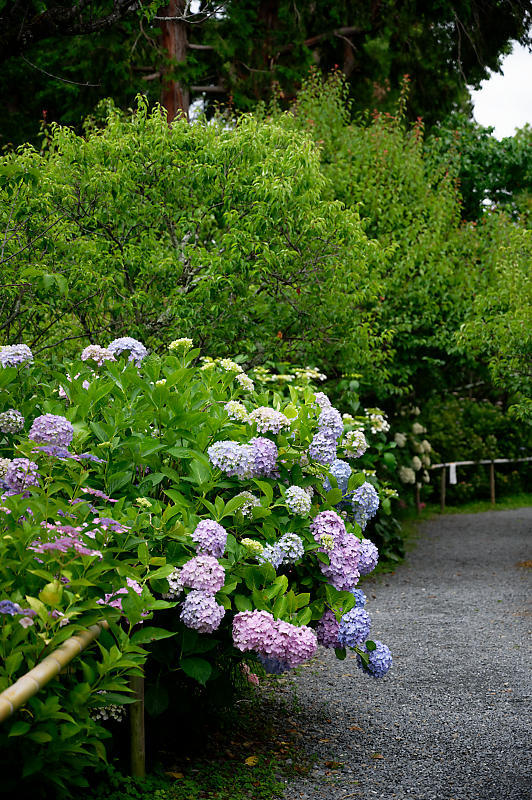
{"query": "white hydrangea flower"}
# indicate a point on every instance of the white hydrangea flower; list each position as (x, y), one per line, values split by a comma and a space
(237, 411)
(425, 460)
(427, 447)
(183, 344)
(426, 476)
(416, 463)
(229, 365)
(418, 429)
(400, 439)
(378, 423)
(245, 382)
(407, 475)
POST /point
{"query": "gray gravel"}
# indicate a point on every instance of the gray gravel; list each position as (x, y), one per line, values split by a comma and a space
(449, 722)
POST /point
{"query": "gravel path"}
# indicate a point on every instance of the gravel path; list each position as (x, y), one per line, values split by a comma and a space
(449, 722)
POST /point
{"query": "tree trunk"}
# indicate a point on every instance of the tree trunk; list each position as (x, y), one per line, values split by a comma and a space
(174, 97)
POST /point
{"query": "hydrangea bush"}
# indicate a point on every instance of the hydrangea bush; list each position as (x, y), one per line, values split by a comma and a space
(189, 506)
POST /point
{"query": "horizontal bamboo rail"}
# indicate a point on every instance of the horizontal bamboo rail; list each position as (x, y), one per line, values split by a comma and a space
(490, 461)
(33, 681)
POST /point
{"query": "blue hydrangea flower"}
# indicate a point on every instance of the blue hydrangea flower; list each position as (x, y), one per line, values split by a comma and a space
(136, 349)
(354, 627)
(232, 458)
(380, 660)
(265, 454)
(342, 472)
(8, 607)
(368, 558)
(360, 597)
(12, 355)
(287, 550)
(322, 448)
(210, 538)
(365, 501)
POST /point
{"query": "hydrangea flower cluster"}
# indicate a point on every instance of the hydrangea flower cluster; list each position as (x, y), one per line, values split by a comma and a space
(330, 422)
(287, 550)
(114, 599)
(203, 573)
(201, 612)
(106, 713)
(229, 365)
(254, 548)
(210, 538)
(418, 428)
(380, 660)
(97, 353)
(52, 429)
(327, 542)
(236, 411)
(369, 555)
(264, 455)
(360, 597)
(251, 503)
(365, 502)
(321, 400)
(355, 443)
(11, 421)
(342, 570)
(327, 630)
(136, 349)
(245, 382)
(354, 627)
(175, 587)
(322, 448)
(297, 500)
(400, 439)
(20, 474)
(232, 458)
(378, 423)
(268, 420)
(327, 522)
(407, 475)
(4, 464)
(342, 472)
(273, 638)
(182, 344)
(12, 355)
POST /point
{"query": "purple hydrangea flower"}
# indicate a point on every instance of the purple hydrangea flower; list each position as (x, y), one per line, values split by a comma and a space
(52, 429)
(232, 458)
(201, 612)
(98, 354)
(327, 629)
(20, 474)
(264, 455)
(210, 538)
(354, 627)
(203, 573)
(290, 644)
(252, 630)
(136, 349)
(322, 448)
(327, 522)
(331, 423)
(322, 400)
(369, 555)
(11, 421)
(297, 500)
(380, 660)
(12, 355)
(8, 607)
(342, 571)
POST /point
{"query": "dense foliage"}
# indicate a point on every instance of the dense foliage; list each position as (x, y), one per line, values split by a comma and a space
(214, 527)
(63, 57)
(223, 233)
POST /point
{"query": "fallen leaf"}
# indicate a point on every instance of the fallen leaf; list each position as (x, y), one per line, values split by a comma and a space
(355, 728)
(251, 761)
(177, 775)
(377, 755)
(334, 764)
(324, 740)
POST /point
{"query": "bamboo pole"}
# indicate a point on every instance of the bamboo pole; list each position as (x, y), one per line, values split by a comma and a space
(33, 681)
(442, 489)
(136, 722)
(418, 499)
(492, 483)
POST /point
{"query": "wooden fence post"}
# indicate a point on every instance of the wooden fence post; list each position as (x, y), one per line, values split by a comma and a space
(492, 483)
(418, 499)
(442, 489)
(136, 722)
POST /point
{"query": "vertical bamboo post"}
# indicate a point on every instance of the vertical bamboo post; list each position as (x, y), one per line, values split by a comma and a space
(442, 489)
(136, 722)
(492, 483)
(418, 499)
